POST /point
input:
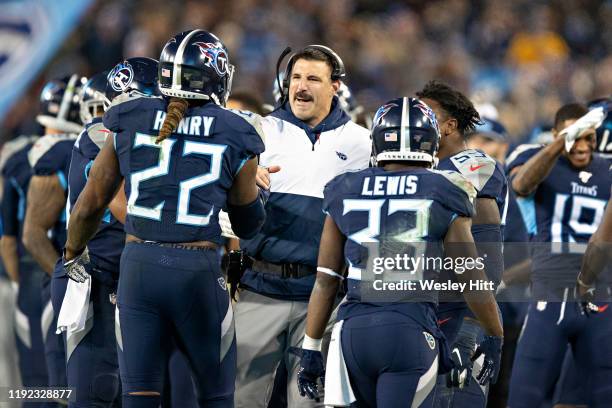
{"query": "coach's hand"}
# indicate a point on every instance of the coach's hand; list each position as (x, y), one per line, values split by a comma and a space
(311, 369)
(263, 175)
(491, 348)
(75, 268)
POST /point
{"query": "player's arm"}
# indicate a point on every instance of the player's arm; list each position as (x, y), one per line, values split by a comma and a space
(459, 243)
(46, 201)
(245, 205)
(329, 277)
(8, 242)
(486, 230)
(528, 176)
(597, 254)
(118, 207)
(102, 184)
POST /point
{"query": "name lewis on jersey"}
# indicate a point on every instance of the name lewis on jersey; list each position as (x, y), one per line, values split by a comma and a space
(189, 126)
(389, 185)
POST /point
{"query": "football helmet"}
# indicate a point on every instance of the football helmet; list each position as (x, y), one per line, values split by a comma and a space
(195, 65)
(59, 104)
(134, 74)
(93, 97)
(405, 129)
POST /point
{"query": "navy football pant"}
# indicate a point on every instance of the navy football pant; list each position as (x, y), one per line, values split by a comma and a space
(174, 294)
(570, 388)
(179, 383)
(55, 354)
(392, 361)
(450, 319)
(92, 369)
(548, 329)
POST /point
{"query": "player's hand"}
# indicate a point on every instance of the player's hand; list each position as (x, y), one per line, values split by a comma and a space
(491, 349)
(75, 268)
(263, 175)
(459, 376)
(591, 120)
(311, 369)
(587, 294)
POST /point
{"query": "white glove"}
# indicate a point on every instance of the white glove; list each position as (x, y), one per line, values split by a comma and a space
(591, 120)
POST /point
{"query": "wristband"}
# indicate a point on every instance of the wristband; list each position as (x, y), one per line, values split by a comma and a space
(584, 285)
(329, 272)
(311, 344)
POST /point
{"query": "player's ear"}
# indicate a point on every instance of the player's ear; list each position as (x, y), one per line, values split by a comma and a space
(336, 85)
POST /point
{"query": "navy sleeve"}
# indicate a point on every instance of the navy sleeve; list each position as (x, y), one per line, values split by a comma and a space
(456, 193)
(521, 155)
(330, 195)
(55, 160)
(10, 209)
(111, 118)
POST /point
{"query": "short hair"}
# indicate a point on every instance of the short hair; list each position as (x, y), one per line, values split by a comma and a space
(313, 54)
(569, 111)
(252, 102)
(456, 104)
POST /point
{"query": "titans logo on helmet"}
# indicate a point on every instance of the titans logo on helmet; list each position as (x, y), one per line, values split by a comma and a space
(381, 112)
(215, 56)
(427, 112)
(121, 76)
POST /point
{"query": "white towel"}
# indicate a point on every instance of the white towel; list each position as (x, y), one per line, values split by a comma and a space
(338, 391)
(75, 307)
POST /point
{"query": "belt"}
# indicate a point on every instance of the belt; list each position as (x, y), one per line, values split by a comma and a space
(206, 247)
(286, 270)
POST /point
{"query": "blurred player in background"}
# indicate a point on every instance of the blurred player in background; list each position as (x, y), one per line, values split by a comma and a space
(568, 187)
(490, 137)
(309, 139)
(191, 158)
(22, 346)
(392, 350)
(457, 118)
(46, 201)
(604, 130)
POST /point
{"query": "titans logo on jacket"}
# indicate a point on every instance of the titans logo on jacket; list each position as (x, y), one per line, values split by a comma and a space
(565, 209)
(175, 189)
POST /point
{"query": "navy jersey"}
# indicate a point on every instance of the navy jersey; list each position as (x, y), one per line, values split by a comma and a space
(16, 173)
(176, 188)
(106, 246)
(567, 207)
(376, 208)
(50, 155)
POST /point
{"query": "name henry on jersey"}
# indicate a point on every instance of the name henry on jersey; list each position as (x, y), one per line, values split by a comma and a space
(189, 126)
(389, 185)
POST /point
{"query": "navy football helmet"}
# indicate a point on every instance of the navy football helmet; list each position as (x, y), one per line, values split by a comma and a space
(405, 129)
(93, 97)
(59, 104)
(604, 131)
(195, 65)
(134, 74)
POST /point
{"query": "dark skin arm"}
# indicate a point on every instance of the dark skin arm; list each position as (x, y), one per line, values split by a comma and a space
(46, 201)
(244, 189)
(528, 176)
(321, 304)
(102, 185)
(460, 243)
(597, 254)
(118, 207)
(10, 257)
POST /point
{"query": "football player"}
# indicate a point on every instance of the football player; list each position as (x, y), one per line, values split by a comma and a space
(183, 159)
(26, 276)
(49, 160)
(392, 349)
(567, 186)
(604, 130)
(458, 117)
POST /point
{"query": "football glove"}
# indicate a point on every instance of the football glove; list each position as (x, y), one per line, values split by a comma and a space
(75, 268)
(587, 294)
(459, 376)
(491, 349)
(592, 119)
(311, 369)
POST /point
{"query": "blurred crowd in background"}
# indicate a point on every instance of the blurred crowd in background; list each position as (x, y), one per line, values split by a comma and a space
(525, 57)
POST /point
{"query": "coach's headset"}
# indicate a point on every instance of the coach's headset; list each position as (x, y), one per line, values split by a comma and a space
(338, 71)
